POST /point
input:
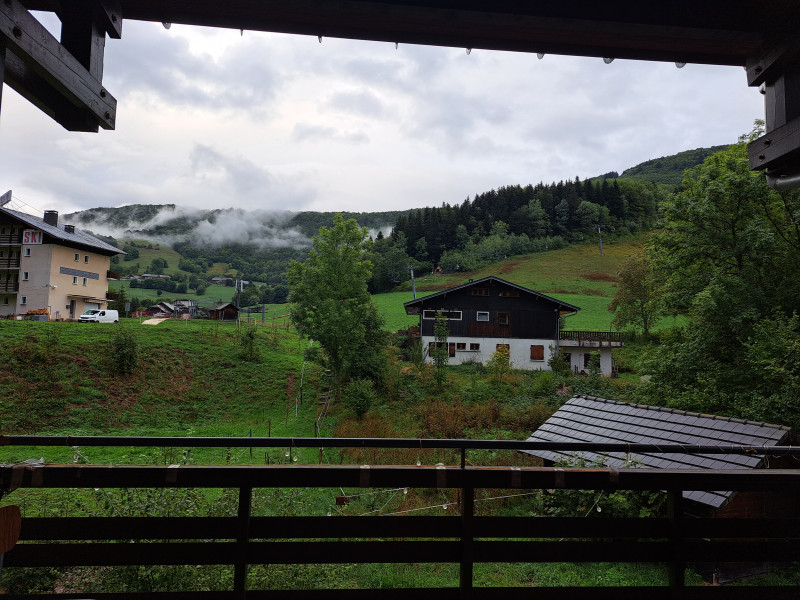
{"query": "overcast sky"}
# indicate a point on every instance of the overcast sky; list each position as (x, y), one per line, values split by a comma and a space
(215, 119)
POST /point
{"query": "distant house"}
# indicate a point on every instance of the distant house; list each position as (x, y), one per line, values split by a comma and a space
(162, 307)
(51, 269)
(488, 313)
(155, 276)
(588, 419)
(224, 312)
(221, 280)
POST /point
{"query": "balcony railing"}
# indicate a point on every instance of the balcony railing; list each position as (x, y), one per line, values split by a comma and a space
(465, 539)
(592, 336)
(9, 287)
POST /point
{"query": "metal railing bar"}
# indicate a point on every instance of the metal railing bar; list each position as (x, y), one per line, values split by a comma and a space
(397, 443)
(332, 476)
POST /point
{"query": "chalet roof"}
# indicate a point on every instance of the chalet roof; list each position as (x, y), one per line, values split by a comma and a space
(562, 306)
(588, 419)
(224, 306)
(76, 237)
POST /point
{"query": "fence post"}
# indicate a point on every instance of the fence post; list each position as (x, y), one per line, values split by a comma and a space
(677, 566)
(467, 542)
(242, 540)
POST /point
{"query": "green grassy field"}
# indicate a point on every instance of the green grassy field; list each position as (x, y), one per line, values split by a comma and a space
(214, 293)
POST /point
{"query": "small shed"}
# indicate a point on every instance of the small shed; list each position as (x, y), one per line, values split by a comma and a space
(224, 312)
(597, 420)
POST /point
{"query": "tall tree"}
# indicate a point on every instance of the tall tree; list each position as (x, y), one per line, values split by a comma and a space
(330, 302)
(637, 299)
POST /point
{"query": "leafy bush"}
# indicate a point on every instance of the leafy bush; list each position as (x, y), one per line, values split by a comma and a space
(124, 351)
(558, 363)
(359, 395)
(247, 345)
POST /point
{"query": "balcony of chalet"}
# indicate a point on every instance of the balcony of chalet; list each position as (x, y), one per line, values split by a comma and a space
(591, 339)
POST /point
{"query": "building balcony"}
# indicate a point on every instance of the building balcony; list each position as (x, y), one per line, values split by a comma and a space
(11, 240)
(9, 287)
(9, 263)
(591, 339)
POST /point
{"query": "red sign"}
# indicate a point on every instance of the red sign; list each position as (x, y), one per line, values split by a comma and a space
(32, 236)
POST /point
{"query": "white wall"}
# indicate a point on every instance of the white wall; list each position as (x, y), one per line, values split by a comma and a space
(520, 351)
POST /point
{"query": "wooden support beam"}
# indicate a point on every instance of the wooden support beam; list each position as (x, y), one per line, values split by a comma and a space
(46, 73)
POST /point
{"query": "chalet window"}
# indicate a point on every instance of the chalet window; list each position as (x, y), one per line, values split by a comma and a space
(461, 346)
(509, 294)
(24, 276)
(23, 300)
(450, 315)
(586, 358)
(2, 253)
(451, 350)
(474, 346)
(503, 318)
(86, 258)
(506, 346)
(5, 300)
(77, 257)
(479, 292)
(483, 315)
(74, 280)
(27, 251)
(537, 352)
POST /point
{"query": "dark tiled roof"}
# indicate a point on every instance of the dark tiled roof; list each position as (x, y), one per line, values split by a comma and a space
(77, 237)
(562, 305)
(587, 419)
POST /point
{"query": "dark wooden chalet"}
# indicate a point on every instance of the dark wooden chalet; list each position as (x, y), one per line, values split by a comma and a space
(589, 419)
(487, 313)
(224, 312)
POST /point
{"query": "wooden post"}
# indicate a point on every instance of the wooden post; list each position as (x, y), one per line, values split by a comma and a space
(677, 566)
(242, 539)
(467, 543)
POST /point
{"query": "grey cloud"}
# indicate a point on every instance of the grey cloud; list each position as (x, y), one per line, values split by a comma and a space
(150, 59)
(305, 132)
(363, 102)
(244, 181)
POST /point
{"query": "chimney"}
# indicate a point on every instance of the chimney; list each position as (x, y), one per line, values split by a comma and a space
(51, 217)
(69, 228)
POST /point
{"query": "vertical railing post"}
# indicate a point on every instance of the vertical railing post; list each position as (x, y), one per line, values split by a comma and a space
(677, 565)
(467, 542)
(242, 540)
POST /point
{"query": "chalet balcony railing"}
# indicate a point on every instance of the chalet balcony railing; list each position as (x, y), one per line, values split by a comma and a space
(9, 287)
(9, 263)
(592, 336)
(10, 239)
(465, 539)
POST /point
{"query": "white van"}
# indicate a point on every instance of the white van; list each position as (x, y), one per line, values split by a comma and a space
(99, 316)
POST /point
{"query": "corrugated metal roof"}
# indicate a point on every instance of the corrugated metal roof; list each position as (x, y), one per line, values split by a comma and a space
(563, 305)
(589, 419)
(57, 231)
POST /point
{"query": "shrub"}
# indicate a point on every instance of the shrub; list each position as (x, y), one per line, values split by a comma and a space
(558, 363)
(359, 395)
(247, 345)
(124, 351)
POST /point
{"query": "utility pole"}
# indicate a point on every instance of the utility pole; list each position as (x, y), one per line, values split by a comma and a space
(600, 237)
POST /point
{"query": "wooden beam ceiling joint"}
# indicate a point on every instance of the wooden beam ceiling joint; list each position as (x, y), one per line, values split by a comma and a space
(45, 72)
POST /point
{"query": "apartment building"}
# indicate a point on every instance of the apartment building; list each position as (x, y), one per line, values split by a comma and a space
(52, 267)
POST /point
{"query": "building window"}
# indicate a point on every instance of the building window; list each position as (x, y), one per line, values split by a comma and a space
(483, 315)
(509, 294)
(86, 258)
(450, 315)
(474, 346)
(23, 299)
(27, 251)
(77, 257)
(2, 230)
(479, 292)
(24, 276)
(85, 280)
(5, 300)
(537, 352)
(461, 345)
(2, 253)
(506, 346)
(74, 280)
(503, 318)
(586, 358)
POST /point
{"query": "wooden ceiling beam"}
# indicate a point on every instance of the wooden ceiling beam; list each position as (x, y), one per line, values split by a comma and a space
(42, 70)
